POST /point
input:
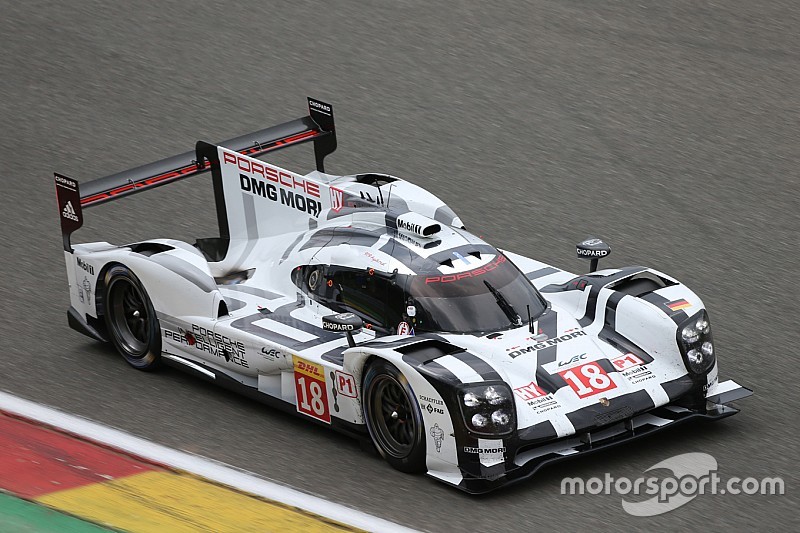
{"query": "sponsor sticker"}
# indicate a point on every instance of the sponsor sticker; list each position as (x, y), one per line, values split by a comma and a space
(85, 288)
(428, 399)
(469, 274)
(438, 436)
(319, 106)
(575, 359)
(216, 344)
(270, 353)
(490, 451)
(312, 397)
(472, 449)
(633, 368)
(342, 325)
(638, 374)
(530, 391)
(409, 226)
(588, 379)
(404, 328)
(431, 405)
(593, 253)
(337, 199)
(374, 259)
(273, 183)
(678, 305)
(431, 409)
(69, 212)
(538, 399)
(84, 265)
(545, 343)
(345, 384)
(626, 361)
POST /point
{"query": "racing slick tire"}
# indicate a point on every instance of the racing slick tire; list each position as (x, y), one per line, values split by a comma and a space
(393, 417)
(131, 320)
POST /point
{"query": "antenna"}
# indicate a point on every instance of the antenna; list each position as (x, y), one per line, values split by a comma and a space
(380, 195)
(530, 320)
(389, 198)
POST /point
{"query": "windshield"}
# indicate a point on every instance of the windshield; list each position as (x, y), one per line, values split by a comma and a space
(493, 297)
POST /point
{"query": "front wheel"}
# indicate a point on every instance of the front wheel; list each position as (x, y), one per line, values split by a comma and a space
(393, 417)
(131, 319)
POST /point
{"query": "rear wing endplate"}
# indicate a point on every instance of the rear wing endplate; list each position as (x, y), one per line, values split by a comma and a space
(318, 127)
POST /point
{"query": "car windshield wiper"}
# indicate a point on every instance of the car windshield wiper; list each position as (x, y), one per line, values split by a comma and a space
(512, 315)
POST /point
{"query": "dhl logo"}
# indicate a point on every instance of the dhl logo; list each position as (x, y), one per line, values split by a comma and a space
(301, 366)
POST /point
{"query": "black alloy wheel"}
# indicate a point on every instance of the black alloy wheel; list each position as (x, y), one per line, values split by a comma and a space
(131, 319)
(393, 417)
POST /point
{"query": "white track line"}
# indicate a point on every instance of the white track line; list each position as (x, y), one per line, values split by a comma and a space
(195, 464)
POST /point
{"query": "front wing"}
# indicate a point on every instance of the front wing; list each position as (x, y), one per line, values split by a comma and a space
(523, 459)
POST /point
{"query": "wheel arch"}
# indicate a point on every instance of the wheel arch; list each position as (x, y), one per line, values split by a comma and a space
(100, 288)
(170, 292)
(356, 361)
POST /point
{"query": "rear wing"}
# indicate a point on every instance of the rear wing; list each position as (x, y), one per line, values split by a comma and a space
(318, 127)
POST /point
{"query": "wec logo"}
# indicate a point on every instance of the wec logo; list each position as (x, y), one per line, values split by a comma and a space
(574, 359)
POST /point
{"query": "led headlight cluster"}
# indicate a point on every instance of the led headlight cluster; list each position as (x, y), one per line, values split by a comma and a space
(488, 408)
(696, 343)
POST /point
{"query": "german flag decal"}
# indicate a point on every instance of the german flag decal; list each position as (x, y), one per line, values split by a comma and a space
(678, 305)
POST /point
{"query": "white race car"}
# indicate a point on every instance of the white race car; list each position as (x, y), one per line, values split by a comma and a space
(362, 303)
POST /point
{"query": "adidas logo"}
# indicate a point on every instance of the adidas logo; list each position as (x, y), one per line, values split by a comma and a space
(69, 212)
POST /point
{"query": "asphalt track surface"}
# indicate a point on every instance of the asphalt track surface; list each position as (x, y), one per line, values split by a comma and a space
(671, 129)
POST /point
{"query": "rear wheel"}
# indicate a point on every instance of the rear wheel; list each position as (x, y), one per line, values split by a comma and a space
(131, 320)
(393, 417)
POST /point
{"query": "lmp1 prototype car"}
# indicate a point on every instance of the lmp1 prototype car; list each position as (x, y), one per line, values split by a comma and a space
(362, 303)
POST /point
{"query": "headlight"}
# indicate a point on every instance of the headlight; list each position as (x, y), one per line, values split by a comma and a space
(690, 334)
(501, 418)
(488, 408)
(479, 421)
(493, 396)
(471, 400)
(695, 357)
(696, 343)
(707, 348)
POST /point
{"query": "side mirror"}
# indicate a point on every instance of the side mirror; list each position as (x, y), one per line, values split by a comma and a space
(343, 322)
(592, 248)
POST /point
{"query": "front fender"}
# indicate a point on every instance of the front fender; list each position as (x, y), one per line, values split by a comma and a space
(432, 397)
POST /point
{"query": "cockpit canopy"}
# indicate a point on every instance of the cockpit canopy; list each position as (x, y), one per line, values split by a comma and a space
(475, 294)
